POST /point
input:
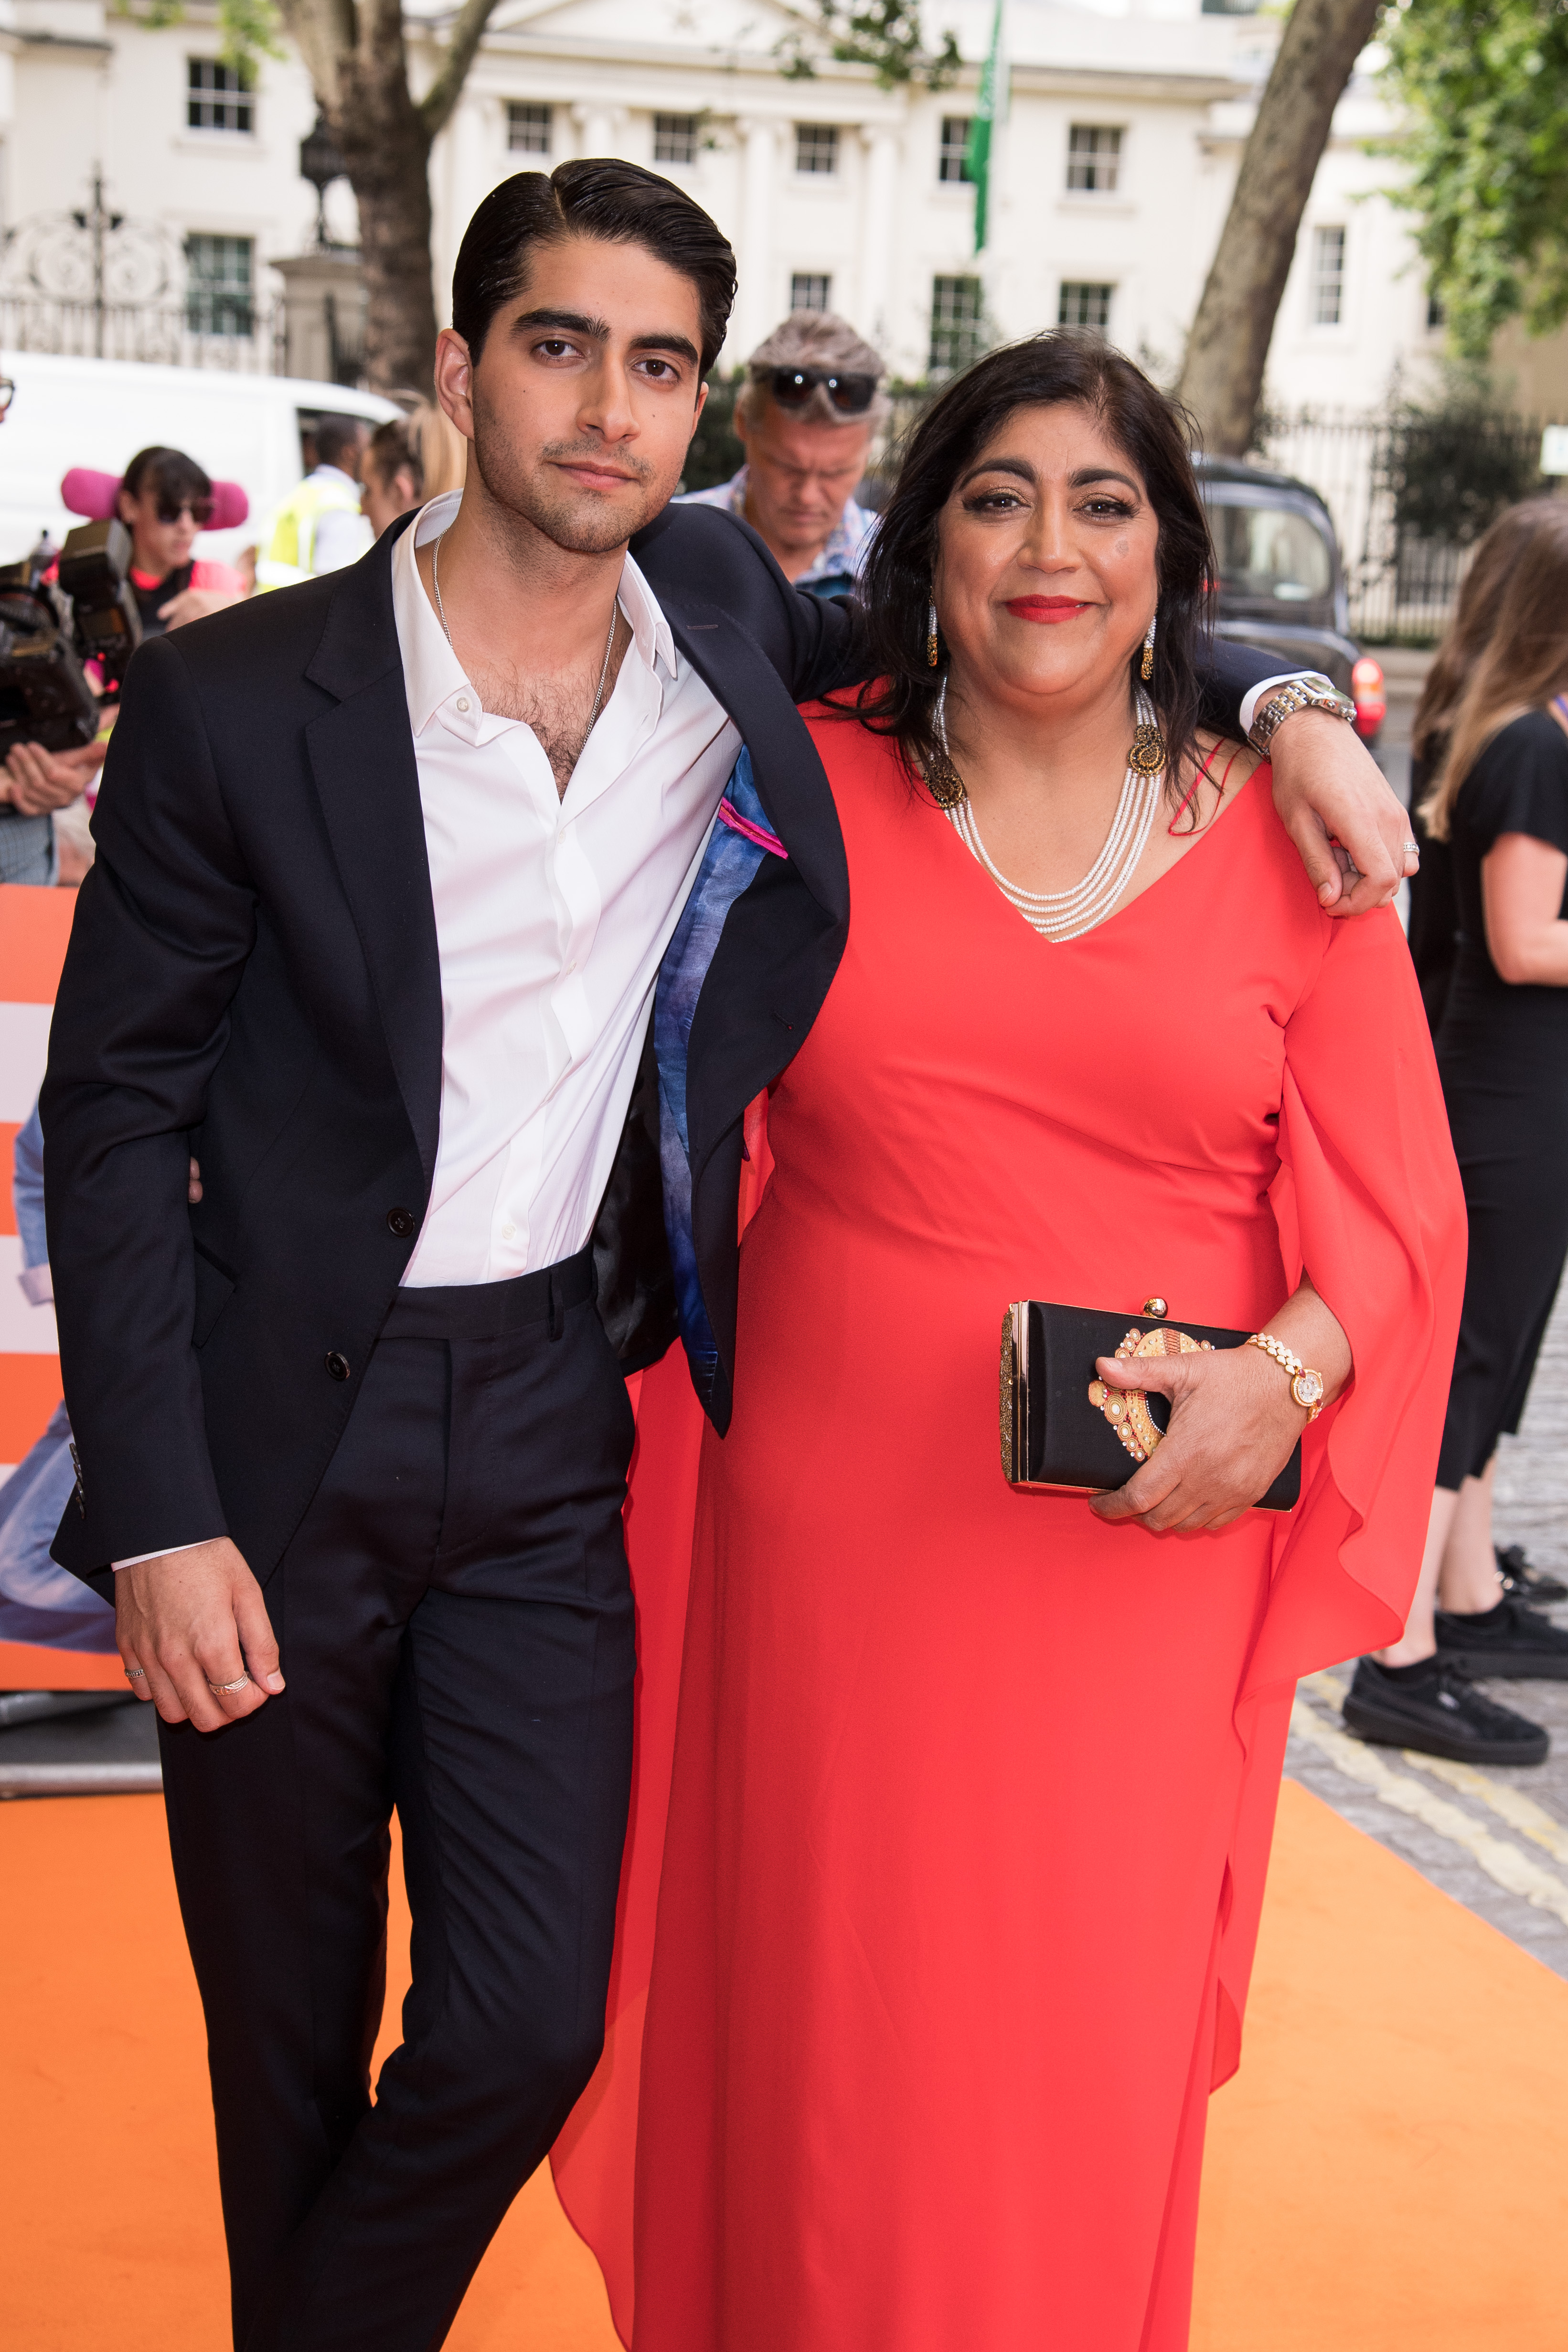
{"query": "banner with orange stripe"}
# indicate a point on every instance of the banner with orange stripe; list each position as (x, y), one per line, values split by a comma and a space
(35, 925)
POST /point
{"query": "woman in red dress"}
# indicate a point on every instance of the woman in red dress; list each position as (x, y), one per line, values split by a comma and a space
(973, 1789)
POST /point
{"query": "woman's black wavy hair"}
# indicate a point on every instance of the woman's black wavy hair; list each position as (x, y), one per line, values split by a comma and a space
(1146, 426)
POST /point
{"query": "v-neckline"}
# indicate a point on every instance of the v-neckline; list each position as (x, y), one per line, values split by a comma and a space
(1126, 904)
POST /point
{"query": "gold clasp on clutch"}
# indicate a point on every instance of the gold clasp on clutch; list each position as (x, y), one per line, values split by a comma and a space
(1127, 1410)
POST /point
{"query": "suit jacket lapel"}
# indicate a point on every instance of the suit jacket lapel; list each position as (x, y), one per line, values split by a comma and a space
(362, 758)
(789, 774)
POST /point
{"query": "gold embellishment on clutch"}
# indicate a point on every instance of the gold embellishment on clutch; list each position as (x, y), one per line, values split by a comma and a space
(1009, 1376)
(1127, 1410)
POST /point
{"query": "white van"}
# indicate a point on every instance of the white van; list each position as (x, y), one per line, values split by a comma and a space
(99, 413)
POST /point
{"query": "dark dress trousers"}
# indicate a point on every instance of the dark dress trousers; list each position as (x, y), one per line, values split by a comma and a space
(428, 1483)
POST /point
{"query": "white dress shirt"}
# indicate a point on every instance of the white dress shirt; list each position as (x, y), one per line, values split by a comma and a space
(551, 914)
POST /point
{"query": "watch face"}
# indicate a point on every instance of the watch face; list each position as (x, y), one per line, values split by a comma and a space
(1307, 1387)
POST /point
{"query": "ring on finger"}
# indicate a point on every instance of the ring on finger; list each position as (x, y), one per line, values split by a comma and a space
(227, 1690)
(136, 1673)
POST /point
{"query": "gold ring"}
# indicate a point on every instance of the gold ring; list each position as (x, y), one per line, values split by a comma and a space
(227, 1690)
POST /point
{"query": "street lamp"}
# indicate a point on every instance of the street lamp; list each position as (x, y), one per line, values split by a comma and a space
(320, 163)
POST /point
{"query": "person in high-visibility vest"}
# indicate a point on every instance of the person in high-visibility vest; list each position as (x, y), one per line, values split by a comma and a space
(321, 525)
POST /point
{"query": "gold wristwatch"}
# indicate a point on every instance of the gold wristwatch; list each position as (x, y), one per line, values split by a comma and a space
(1306, 1387)
(1311, 691)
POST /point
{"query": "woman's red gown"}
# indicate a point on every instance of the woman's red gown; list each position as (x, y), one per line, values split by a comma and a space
(972, 1795)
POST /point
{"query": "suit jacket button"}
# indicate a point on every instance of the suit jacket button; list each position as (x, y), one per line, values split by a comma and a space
(401, 1223)
(337, 1365)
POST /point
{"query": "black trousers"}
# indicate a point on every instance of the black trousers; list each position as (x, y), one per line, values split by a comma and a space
(455, 1622)
(1506, 1085)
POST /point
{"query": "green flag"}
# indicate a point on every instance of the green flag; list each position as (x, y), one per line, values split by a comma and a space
(990, 106)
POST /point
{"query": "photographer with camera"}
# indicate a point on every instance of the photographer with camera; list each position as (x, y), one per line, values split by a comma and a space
(130, 575)
(37, 784)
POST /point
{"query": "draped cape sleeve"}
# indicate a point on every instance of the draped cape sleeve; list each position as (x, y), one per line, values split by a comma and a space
(1369, 1205)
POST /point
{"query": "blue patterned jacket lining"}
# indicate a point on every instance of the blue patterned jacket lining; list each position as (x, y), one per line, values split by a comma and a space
(730, 863)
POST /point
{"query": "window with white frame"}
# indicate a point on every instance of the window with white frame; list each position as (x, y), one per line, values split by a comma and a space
(816, 148)
(953, 157)
(219, 97)
(809, 290)
(528, 127)
(1093, 158)
(675, 138)
(955, 324)
(1326, 297)
(1082, 304)
(219, 285)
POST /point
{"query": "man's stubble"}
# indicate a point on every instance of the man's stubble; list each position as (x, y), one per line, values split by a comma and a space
(575, 522)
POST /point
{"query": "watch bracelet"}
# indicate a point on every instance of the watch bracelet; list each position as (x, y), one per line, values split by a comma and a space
(1285, 701)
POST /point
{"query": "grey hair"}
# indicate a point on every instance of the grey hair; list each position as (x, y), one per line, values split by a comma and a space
(818, 338)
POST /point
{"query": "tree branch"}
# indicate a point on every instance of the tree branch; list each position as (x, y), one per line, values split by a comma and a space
(324, 32)
(463, 41)
(1227, 349)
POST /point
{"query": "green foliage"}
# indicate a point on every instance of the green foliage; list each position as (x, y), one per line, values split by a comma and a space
(716, 451)
(885, 33)
(1484, 84)
(250, 29)
(247, 29)
(1456, 463)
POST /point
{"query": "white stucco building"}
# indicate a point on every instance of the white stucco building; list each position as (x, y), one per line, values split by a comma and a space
(1110, 178)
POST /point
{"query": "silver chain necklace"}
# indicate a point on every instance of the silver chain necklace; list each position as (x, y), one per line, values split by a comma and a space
(609, 642)
(1062, 915)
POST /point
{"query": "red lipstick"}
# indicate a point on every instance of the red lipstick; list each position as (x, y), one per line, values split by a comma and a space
(1047, 609)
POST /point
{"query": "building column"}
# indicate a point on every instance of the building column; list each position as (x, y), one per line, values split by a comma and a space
(755, 303)
(600, 130)
(880, 142)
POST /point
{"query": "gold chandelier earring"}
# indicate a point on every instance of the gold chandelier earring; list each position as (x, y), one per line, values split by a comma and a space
(1146, 666)
(943, 782)
(933, 647)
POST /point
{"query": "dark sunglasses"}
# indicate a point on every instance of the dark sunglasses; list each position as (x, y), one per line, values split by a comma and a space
(199, 510)
(851, 395)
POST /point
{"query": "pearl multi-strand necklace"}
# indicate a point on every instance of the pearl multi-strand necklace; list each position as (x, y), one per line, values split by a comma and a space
(1062, 915)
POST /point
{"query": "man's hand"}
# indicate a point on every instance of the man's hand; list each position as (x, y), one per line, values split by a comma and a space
(1233, 1425)
(1335, 804)
(194, 1622)
(194, 604)
(37, 781)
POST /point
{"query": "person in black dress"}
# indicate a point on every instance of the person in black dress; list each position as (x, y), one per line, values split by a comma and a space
(1433, 920)
(1498, 800)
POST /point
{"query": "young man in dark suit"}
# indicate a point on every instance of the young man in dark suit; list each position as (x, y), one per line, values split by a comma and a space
(386, 866)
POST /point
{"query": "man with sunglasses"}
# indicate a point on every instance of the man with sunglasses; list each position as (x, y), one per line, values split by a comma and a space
(807, 416)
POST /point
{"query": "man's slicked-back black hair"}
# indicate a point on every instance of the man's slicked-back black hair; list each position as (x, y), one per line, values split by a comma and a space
(593, 196)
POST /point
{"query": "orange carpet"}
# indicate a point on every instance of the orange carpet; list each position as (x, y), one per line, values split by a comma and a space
(1388, 2173)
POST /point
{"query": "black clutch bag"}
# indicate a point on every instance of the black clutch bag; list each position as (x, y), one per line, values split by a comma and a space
(1063, 1427)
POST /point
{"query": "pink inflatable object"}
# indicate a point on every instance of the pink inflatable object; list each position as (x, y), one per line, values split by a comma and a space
(87, 492)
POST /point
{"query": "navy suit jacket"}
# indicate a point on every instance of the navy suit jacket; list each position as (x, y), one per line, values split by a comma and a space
(253, 975)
